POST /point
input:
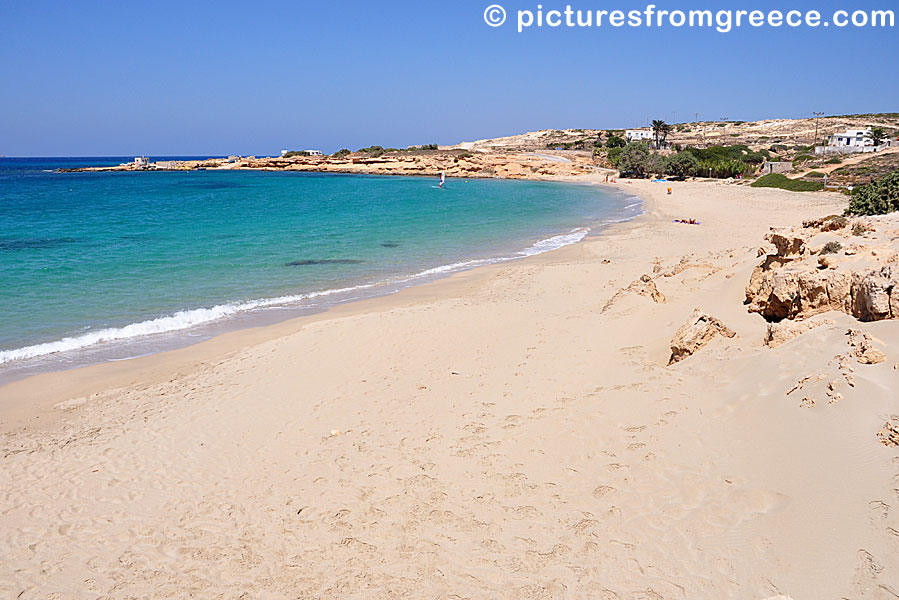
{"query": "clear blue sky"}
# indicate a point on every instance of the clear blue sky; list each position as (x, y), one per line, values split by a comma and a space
(160, 78)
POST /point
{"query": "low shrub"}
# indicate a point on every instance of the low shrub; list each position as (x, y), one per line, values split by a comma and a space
(832, 248)
(860, 229)
(614, 154)
(782, 182)
(879, 197)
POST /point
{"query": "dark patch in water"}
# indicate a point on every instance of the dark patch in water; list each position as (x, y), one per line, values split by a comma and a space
(390, 245)
(211, 185)
(331, 261)
(34, 243)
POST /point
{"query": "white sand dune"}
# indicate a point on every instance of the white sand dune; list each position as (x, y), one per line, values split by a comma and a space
(504, 433)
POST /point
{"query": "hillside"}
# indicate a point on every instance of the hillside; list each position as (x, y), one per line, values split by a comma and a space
(755, 134)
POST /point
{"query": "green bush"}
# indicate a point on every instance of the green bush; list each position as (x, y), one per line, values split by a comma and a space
(341, 153)
(782, 182)
(614, 154)
(615, 141)
(638, 161)
(722, 169)
(802, 158)
(833, 161)
(832, 248)
(682, 164)
(375, 151)
(815, 175)
(879, 197)
(740, 152)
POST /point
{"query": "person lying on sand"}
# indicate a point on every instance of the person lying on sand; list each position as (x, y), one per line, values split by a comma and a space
(688, 221)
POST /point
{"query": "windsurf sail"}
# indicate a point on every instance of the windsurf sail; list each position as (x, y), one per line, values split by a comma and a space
(442, 178)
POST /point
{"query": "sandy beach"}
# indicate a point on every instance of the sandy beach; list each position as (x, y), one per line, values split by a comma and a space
(513, 431)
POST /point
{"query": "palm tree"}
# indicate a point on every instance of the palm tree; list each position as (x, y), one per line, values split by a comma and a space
(660, 130)
(877, 136)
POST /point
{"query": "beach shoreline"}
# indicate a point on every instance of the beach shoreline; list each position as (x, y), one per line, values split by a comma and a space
(108, 373)
(514, 418)
(125, 343)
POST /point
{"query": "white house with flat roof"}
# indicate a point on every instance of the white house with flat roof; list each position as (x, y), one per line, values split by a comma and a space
(313, 152)
(852, 138)
(637, 135)
(852, 141)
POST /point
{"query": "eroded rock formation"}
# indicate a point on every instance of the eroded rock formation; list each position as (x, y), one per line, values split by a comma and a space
(819, 268)
(697, 332)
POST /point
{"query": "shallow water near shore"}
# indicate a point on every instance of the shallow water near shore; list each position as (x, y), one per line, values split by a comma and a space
(109, 266)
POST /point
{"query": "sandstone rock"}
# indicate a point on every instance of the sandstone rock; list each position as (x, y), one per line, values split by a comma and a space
(779, 290)
(872, 293)
(644, 286)
(789, 242)
(697, 332)
(865, 351)
(827, 262)
(813, 297)
(889, 433)
(783, 332)
(831, 223)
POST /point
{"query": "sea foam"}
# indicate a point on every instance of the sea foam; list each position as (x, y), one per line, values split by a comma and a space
(187, 319)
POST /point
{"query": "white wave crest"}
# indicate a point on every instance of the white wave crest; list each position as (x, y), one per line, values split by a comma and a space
(187, 319)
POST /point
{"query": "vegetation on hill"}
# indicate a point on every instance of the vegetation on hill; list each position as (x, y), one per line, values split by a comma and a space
(682, 165)
(727, 161)
(293, 153)
(637, 160)
(779, 181)
(376, 151)
(615, 140)
(879, 197)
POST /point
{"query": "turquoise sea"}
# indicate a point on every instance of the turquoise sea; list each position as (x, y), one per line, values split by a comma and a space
(107, 266)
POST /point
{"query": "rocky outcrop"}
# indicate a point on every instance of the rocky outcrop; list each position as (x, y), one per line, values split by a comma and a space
(889, 433)
(697, 332)
(784, 331)
(645, 286)
(831, 223)
(865, 351)
(799, 281)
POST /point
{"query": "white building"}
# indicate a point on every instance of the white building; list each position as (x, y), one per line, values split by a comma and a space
(853, 138)
(637, 135)
(141, 162)
(850, 142)
(313, 152)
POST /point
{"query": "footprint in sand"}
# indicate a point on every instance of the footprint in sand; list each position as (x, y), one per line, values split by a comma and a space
(603, 491)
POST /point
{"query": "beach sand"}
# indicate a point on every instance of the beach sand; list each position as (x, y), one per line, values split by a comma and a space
(513, 431)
